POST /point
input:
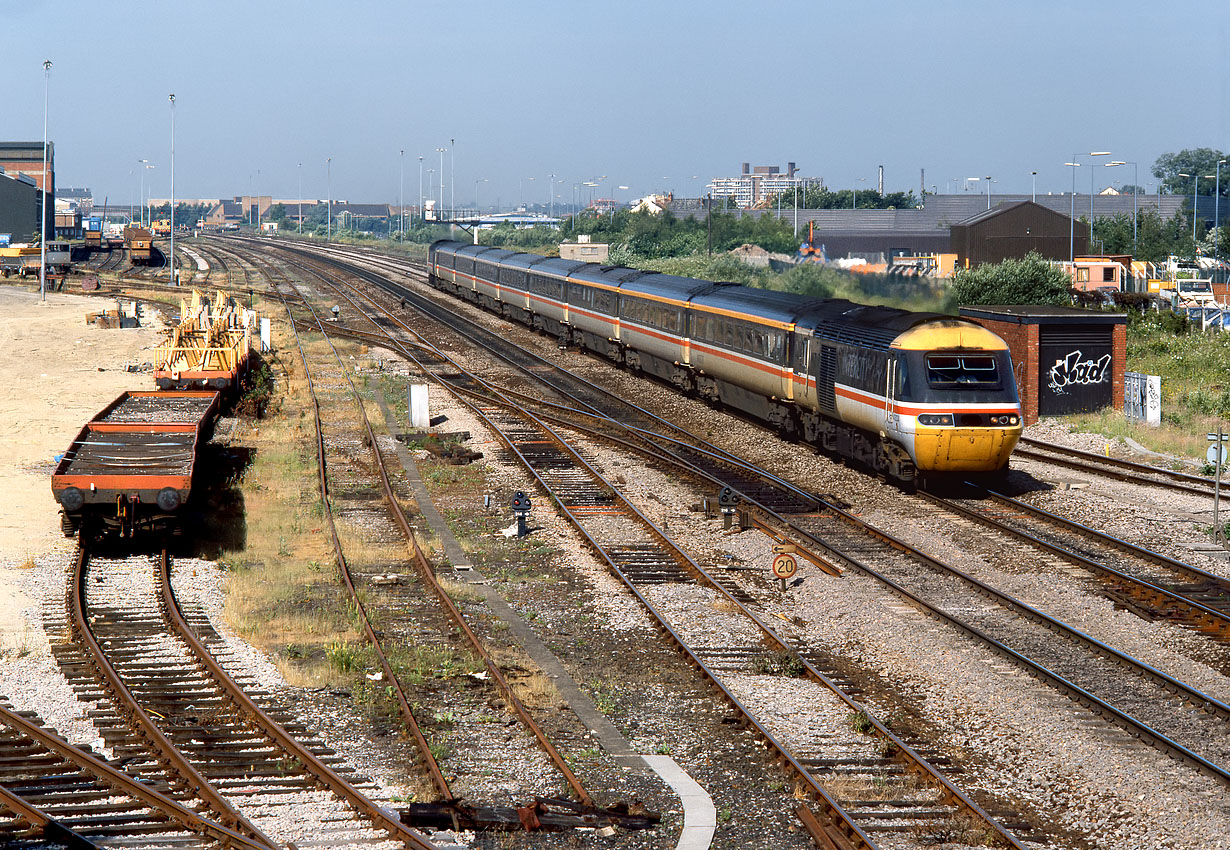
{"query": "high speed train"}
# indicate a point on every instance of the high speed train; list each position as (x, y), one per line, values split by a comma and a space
(901, 393)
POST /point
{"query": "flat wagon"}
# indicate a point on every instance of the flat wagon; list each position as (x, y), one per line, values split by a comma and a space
(131, 467)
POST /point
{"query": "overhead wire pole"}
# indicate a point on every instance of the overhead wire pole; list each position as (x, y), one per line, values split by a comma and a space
(42, 227)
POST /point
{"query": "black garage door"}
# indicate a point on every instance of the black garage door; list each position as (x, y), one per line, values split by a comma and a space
(1074, 365)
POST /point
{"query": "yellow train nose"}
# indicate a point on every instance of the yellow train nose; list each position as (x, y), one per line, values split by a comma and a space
(964, 449)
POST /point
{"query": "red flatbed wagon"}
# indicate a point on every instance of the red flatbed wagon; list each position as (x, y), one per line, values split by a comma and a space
(132, 466)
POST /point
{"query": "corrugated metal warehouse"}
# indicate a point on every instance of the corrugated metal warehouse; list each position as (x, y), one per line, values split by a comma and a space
(1012, 231)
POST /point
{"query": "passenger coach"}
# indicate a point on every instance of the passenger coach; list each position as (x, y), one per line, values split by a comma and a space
(897, 391)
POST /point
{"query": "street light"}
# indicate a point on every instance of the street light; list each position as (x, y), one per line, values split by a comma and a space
(441, 209)
(171, 97)
(452, 176)
(551, 197)
(301, 197)
(1135, 189)
(854, 197)
(476, 182)
(1195, 183)
(1072, 214)
(988, 191)
(1217, 208)
(141, 191)
(401, 201)
(42, 227)
(329, 203)
(421, 189)
(146, 211)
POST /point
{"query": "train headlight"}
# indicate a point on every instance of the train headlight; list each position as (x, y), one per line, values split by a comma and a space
(1005, 419)
(71, 498)
(168, 499)
(935, 419)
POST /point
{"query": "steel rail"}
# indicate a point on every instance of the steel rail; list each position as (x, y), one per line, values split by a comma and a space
(127, 704)
(50, 828)
(1086, 466)
(1154, 737)
(1119, 543)
(171, 809)
(420, 560)
(1204, 618)
(1074, 691)
(430, 764)
(321, 772)
(903, 752)
(1122, 463)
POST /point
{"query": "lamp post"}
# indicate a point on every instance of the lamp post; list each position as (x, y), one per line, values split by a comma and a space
(1135, 189)
(1217, 207)
(854, 196)
(329, 202)
(301, 197)
(171, 97)
(401, 201)
(420, 188)
(42, 227)
(988, 191)
(1072, 214)
(441, 208)
(1034, 193)
(146, 211)
(476, 182)
(430, 172)
(141, 196)
(452, 176)
(551, 197)
(1195, 184)
(1091, 177)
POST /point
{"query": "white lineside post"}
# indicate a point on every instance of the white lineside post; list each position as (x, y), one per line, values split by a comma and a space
(420, 416)
(1218, 535)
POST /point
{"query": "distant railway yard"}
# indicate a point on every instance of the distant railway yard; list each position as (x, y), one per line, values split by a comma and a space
(329, 547)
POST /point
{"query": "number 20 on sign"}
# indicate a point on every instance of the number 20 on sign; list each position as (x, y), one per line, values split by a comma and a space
(784, 567)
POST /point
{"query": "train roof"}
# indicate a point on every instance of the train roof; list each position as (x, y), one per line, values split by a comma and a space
(523, 261)
(609, 275)
(447, 246)
(495, 255)
(666, 286)
(471, 250)
(861, 324)
(557, 266)
(784, 307)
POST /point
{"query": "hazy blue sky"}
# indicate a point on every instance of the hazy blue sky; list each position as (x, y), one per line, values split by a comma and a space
(647, 93)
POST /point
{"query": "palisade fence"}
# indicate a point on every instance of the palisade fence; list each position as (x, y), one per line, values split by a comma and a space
(1208, 317)
(1142, 397)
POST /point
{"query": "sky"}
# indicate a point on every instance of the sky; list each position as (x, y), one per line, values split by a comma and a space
(643, 94)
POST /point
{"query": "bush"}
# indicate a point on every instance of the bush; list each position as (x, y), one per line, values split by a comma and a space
(1029, 280)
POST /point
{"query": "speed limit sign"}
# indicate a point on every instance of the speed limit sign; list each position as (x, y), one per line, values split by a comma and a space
(785, 566)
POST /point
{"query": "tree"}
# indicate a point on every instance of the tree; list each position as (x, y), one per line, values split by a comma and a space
(1029, 280)
(1190, 161)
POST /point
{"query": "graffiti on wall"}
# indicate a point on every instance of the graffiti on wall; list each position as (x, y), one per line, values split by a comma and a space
(1076, 370)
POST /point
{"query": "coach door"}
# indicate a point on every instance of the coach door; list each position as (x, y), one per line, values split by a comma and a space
(800, 357)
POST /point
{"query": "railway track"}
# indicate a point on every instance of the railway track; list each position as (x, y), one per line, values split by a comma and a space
(1153, 585)
(168, 709)
(1172, 727)
(1115, 468)
(646, 561)
(56, 793)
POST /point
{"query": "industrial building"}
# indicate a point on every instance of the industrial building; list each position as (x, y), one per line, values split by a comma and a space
(22, 164)
(19, 208)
